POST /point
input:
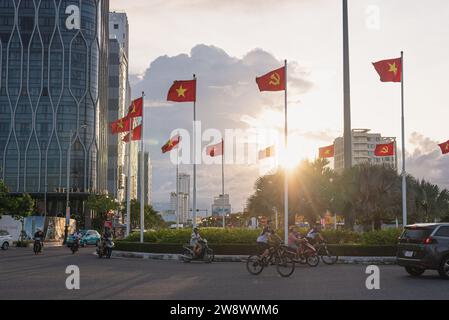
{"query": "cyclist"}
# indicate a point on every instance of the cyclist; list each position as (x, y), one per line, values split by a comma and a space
(297, 242)
(264, 240)
(314, 236)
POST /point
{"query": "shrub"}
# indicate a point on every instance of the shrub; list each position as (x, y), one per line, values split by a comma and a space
(381, 237)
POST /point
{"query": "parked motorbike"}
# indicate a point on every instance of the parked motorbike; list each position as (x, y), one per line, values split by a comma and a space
(37, 247)
(206, 255)
(105, 248)
(75, 245)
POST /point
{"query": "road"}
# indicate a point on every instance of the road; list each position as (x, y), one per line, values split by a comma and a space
(26, 276)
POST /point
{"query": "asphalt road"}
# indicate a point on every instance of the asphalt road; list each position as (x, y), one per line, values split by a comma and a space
(26, 276)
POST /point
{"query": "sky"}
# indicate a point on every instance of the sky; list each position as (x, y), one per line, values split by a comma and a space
(228, 43)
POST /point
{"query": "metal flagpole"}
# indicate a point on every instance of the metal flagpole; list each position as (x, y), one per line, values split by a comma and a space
(142, 176)
(128, 196)
(194, 160)
(177, 186)
(285, 164)
(404, 173)
(346, 91)
(222, 183)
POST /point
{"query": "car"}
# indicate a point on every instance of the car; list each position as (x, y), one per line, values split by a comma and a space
(5, 240)
(424, 246)
(90, 237)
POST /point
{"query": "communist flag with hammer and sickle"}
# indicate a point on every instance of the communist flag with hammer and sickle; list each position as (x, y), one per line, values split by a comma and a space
(384, 149)
(171, 144)
(272, 81)
(120, 125)
(182, 91)
(136, 108)
(327, 152)
(389, 70)
(444, 147)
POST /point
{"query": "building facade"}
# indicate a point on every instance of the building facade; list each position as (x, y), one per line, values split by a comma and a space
(221, 204)
(147, 178)
(363, 145)
(184, 198)
(53, 100)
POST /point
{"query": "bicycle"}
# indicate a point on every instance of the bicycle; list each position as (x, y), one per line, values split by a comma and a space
(279, 255)
(325, 254)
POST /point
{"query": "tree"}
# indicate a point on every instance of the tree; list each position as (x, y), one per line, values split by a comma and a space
(102, 205)
(152, 220)
(20, 208)
(6, 201)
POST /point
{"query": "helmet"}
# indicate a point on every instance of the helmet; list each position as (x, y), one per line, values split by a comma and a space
(196, 229)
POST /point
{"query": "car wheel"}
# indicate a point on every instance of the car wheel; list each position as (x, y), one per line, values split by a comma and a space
(5, 246)
(414, 271)
(443, 270)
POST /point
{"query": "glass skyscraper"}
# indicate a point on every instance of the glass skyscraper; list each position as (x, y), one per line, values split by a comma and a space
(53, 99)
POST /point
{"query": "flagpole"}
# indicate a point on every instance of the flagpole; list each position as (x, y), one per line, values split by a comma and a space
(222, 183)
(142, 175)
(285, 164)
(177, 186)
(404, 173)
(128, 196)
(194, 160)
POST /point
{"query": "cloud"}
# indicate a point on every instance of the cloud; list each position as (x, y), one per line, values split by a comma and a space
(427, 162)
(227, 94)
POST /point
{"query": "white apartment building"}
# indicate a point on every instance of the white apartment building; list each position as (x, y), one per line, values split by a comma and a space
(363, 145)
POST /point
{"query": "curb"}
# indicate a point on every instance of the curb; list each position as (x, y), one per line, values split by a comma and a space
(241, 258)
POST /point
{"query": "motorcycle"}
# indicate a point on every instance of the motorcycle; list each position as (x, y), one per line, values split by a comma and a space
(206, 255)
(37, 247)
(75, 245)
(104, 249)
(309, 255)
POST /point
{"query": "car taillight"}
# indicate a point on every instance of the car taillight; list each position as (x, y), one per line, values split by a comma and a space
(429, 240)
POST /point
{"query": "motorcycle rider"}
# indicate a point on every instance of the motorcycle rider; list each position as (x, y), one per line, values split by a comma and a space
(39, 236)
(78, 235)
(195, 241)
(297, 242)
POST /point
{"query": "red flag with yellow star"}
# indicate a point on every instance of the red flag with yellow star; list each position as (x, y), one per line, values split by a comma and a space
(444, 147)
(384, 149)
(136, 135)
(171, 144)
(389, 70)
(136, 108)
(272, 81)
(327, 152)
(182, 91)
(120, 125)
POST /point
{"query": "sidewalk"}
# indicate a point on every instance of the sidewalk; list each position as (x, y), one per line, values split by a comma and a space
(239, 258)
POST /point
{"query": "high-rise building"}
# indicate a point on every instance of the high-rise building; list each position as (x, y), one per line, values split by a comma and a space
(184, 197)
(119, 29)
(53, 100)
(221, 204)
(147, 178)
(363, 145)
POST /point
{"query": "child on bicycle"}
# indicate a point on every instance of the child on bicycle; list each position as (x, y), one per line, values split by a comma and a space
(264, 239)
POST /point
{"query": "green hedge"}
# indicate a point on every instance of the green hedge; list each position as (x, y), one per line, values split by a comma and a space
(247, 236)
(248, 249)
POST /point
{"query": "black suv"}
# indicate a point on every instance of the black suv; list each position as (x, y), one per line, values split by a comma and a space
(424, 246)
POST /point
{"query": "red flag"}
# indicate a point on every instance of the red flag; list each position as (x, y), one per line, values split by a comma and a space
(182, 91)
(444, 147)
(389, 70)
(327, 152)
(384, 149)
(120, 125)
(136, 108)
(137, 134)
(171, 144)
(266, 153)
(272, 81)
(215, 150)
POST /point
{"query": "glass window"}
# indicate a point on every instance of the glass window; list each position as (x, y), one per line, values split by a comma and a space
(116, 26)
(442, 232)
